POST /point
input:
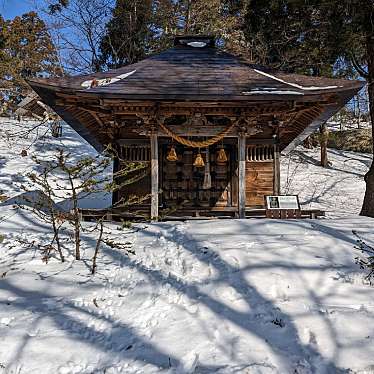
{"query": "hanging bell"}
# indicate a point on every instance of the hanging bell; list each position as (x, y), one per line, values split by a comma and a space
(172, 155)
(199, 162)
(221, 157)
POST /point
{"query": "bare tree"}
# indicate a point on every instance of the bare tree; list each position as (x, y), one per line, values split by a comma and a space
(77, 29)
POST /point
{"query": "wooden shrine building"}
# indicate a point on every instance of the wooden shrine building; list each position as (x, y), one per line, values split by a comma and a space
(209, 127)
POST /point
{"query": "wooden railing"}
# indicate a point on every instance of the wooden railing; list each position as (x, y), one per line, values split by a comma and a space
(258, 153)
(135, 153)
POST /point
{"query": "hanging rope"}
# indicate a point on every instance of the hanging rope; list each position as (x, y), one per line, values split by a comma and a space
(194, 144)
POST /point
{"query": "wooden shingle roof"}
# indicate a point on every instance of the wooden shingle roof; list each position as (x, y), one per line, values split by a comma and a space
(192, 73)
(195, 73)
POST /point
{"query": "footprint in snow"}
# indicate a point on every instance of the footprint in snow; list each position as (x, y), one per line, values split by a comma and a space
(33, 333)
(188, 364)
(278, 292)
(309, 337)
(249, 245)
(233, 262)
(6, 320)
(109, 313)
(71, 369)
(191, 307)
(78, 302)
(14, 368)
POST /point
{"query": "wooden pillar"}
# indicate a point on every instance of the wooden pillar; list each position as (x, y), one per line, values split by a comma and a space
(276, 183)
(154, 176)
(241, 175)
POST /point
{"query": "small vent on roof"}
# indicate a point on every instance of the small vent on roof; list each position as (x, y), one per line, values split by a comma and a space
(197, 41)
(197, 44)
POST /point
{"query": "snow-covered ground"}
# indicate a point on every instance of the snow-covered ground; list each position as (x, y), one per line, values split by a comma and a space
(221, 296)
(228, 296)
(338, 189)
(16, 137)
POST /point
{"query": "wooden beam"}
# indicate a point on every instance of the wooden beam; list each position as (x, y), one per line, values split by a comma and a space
(192, 131)
(97, 118)
(241, 175)
(276, 184)
(154, 176)
(259, 141)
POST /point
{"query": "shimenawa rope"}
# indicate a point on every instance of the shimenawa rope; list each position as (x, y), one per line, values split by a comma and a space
(195, 144)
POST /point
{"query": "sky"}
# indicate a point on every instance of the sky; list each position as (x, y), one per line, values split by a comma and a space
(11, 8)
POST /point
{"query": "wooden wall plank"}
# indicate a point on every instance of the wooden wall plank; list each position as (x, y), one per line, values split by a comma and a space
(259, 182)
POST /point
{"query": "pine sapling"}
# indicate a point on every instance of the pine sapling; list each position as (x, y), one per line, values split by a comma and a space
(85, 178)
(44, 206)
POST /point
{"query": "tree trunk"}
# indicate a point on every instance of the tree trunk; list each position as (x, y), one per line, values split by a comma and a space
(76, 220)
(57, 236)
(323, 142)
(77, 236)
(368, 204)
(97, 248)
(187, 18)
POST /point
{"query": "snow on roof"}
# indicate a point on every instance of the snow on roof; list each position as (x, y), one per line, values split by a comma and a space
(310, 88)
(275, 92)
(105, 81)
(32, 104)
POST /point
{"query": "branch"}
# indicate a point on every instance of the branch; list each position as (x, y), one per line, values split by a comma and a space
(358, 67)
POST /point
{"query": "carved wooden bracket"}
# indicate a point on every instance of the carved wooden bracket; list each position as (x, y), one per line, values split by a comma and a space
(248, 126)
(243, 124)
(150, 121)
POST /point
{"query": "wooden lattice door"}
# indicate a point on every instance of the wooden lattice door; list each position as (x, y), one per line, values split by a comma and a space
(182, 183)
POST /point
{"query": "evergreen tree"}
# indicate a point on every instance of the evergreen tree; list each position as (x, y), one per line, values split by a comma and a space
(26, 50)
(319, 37)
(291, 35)
(214, 17)
(139, 28)
(127, 34)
